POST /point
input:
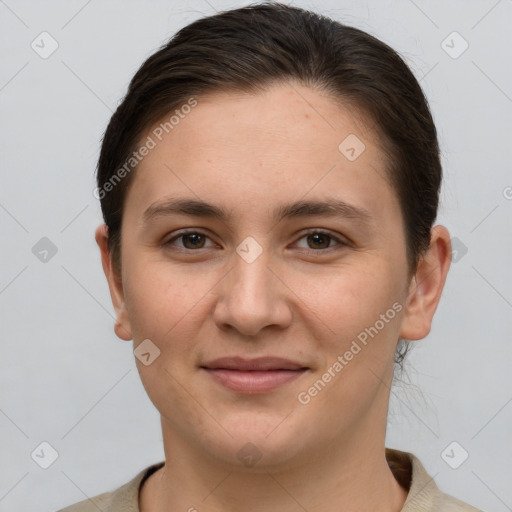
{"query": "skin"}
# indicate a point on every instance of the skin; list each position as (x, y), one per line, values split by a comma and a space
(250, 153)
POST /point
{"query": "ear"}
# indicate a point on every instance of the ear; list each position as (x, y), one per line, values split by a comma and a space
(122, 326)
(426, 286)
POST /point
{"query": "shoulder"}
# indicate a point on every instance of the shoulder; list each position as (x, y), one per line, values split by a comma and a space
(100, 502)
(423, 493)
(122, 499)
(445, 503)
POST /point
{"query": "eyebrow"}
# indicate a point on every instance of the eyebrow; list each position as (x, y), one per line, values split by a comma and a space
(198, 208)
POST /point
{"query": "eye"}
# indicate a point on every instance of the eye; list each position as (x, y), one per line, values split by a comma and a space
(318, 240)
(191, 240)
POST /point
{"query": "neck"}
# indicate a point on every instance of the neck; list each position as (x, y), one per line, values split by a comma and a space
(354, 473)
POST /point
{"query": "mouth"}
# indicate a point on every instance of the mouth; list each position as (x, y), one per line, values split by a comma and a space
(253, 376)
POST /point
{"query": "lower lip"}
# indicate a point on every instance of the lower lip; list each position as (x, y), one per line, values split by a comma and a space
(252, 382)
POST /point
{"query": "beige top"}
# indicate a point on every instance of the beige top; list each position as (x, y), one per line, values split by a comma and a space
(424, 496)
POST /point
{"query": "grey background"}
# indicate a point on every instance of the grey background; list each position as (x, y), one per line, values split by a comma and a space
(68, 380)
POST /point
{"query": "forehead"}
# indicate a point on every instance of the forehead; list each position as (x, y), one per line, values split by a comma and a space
(275, 146)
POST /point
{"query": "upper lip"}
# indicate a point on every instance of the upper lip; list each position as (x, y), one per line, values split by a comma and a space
(260, 363)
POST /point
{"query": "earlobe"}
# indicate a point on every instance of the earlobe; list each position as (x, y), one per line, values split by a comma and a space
(426, 286)
(121, 332)
(122, 326)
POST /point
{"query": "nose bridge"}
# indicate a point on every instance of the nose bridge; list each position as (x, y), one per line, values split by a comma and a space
(251, 287)
(250, 295)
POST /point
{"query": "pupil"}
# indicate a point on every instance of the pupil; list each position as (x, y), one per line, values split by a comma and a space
(195, 239)
(319, 236)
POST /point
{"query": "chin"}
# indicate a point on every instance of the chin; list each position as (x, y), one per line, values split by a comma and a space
(259, 442)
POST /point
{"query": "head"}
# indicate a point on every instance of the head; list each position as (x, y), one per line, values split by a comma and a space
(265, 113)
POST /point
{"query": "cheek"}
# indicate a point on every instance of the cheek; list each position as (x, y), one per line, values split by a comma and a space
(163, 305)
(169, 304)
(362, 309)
(346, 299)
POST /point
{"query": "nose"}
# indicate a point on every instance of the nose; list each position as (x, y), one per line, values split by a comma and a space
(252, 297)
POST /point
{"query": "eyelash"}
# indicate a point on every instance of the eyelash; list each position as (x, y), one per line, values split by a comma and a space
(340, 243)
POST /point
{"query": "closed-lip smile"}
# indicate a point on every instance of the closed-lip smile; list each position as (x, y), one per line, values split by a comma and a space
(251, 376)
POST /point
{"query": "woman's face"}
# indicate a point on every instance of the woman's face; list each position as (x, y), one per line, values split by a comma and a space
(257, 283)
